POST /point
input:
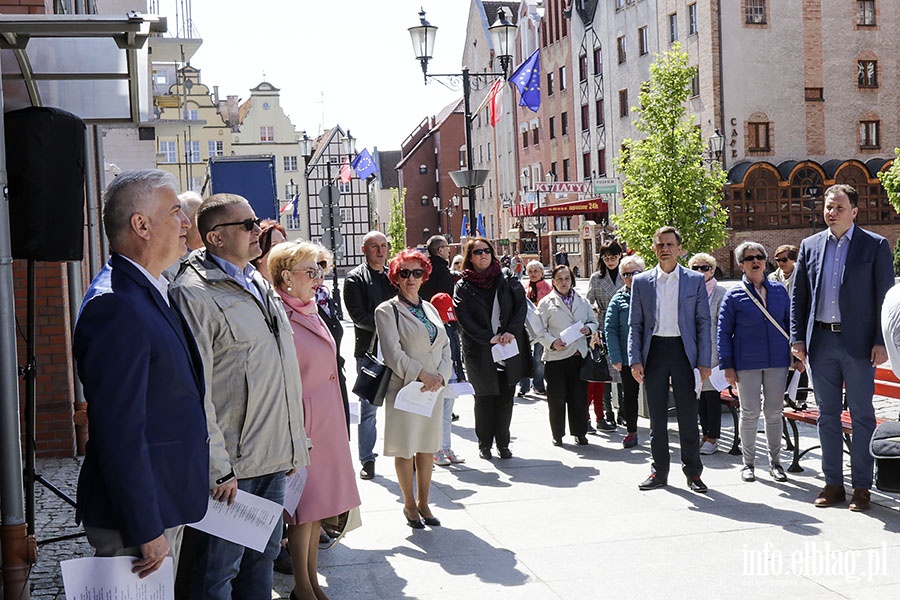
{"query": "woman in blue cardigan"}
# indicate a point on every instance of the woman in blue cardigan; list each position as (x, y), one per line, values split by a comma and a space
(755, 354)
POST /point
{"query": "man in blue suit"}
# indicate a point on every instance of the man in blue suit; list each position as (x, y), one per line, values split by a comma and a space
(146, 467)
(669, 338)
(842, 276)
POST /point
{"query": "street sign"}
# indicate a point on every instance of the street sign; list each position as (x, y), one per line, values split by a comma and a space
(334, 241)
(329, 196)
(606, 186)
(562, 187)
(332, 218)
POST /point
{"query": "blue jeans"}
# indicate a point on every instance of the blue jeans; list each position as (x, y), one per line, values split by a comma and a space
(538, 380)
(366, 431)
(224, 570)
(832, 369)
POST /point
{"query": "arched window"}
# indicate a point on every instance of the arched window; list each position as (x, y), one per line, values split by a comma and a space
(760, 205)
(806, 197)
(874, 208)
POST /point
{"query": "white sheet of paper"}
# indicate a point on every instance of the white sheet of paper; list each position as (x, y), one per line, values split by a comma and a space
(793, 384)
(354, 412)
(93, 577)
(293, 489)
(412, 399)
(571, 333)
(697, 383)
(248, 522)
(501, 352)
(462, 388)
(717, 379)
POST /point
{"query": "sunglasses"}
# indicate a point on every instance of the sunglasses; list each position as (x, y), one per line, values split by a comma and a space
(405, 273)
(323, 264)
(782, 260)
(631, 273)
(703, 268)
(480, 251)
(247, 224)
(758, 257)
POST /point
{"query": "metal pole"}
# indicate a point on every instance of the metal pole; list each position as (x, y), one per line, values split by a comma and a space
(537, 195)
(473, 231)
(335, 294)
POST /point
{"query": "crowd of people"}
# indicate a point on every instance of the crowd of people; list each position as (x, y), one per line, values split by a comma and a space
(209, 352)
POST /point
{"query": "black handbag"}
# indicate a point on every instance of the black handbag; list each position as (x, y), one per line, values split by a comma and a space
(596, 365)
(373, 377)
(885, 448)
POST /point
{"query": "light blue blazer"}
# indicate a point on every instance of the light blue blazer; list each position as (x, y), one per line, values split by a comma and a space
(693, 317)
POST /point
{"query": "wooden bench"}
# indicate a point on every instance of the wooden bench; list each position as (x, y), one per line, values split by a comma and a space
(886, 384)
(729, 398)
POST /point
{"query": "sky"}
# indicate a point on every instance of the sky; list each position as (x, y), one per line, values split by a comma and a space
(356, 55)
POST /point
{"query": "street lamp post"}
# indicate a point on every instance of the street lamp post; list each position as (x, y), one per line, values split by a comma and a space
(452, 205)
(503, 35)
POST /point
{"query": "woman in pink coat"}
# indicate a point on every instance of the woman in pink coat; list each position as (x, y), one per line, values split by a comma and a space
(331, 484)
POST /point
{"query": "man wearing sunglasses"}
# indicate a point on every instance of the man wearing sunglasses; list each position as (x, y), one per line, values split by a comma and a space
(253, 390)
(842, 276)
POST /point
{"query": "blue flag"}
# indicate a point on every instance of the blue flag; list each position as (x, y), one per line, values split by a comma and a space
(527, 78)
(364, 165)
(479, 226)
(465, 227)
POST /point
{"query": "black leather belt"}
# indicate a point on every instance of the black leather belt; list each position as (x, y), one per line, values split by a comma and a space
(832, 327)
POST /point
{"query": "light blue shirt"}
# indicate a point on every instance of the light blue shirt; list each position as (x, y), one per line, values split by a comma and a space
(828, 305)
(243, 276)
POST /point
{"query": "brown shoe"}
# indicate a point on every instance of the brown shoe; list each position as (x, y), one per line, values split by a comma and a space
(862, 500)
(830, 495)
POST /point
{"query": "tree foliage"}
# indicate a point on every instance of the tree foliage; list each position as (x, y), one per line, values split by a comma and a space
(396, 232)
(890, 180)
(665, 179)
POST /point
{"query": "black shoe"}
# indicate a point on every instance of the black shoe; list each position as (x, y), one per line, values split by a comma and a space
(651, 483)
(520, 394)
(777, 473)
(282, 562)
(431, 521)
(485, 453)
(581, 440)
(368, 470)
(454, 417)
(590, 428)
(414, 523)
(696, 485)
(504, 452)
(557, 441)
(604, 425)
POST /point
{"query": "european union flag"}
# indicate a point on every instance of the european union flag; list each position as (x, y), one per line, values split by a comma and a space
(527, 78)
(364, 165)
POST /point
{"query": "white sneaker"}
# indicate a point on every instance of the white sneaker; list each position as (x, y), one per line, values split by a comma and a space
(709, 447)
(440, 459)
(452, 457)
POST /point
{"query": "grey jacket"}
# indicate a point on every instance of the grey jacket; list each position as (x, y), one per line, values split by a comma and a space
(253, 396)
(556, 316)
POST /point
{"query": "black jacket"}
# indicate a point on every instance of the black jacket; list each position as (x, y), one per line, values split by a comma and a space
(337, 332)
(473, 311)
(364, 289)
(440, 279)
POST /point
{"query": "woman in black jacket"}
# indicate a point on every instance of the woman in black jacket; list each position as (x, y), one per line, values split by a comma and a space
(490, 308)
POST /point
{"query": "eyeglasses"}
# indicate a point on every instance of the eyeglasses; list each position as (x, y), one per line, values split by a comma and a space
(631, 273)
(704, 268)
(480, 251)
(323, 264)
(247, 224)
(782, 260)
(316, 273)
(610, 256)
(758, 257)
(405, 273)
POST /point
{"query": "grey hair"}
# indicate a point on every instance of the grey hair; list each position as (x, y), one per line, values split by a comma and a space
(534, 264)
(127, 195)
(707, 258)
(635, 260)
(742, 249)
(190, 202)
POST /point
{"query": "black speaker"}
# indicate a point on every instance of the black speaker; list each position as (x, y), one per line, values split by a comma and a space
(45, 166)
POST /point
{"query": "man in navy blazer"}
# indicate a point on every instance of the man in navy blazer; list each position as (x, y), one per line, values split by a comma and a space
(146, 467)
(842, 275)
(669, 338)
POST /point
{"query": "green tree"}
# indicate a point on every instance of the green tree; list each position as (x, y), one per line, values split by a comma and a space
(665, 179)
(890, 180)
(396, 232)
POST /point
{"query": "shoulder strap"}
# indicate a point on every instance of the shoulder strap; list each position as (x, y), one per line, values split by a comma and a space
(766, 312)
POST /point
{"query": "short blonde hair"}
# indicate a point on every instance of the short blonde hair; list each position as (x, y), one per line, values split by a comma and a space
(326, 255)
(286, 256)
(633, 259)
(702, 256)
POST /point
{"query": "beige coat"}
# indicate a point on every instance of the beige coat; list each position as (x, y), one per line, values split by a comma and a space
(253, 392)
(407, 351)
(556, 316)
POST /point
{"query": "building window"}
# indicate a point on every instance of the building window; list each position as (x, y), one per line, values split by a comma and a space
(168, 153)
(345, 188)
(869, 138)
(191, 114)
(215, 148)
(867, 73)
(865, 12)
(549, 84)
(562, 78)
(692, 19)
(755, 12)
(586, 164)
(598, 61)
(813, 93)
(695, 84)
(620, 48)
(643, 41)
(673, 28)
(194, 152)
(489, 152)
(759, 137)
(620, 4)
(524, 139)
(601, 162)
(585, 117)
(552, 124)
(535, 134)
(564, 123)
(290, 163)
(599, 107)
(623, 103)
(553, 169)
(267, 134)
(565, 173)
(582, 67)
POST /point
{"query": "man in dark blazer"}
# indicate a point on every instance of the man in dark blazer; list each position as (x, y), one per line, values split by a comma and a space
(670, 337)
(842, 275)
(146, 466)
(440, 279)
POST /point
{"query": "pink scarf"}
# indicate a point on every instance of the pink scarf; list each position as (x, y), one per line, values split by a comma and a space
(711, 287)
(308, 313)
